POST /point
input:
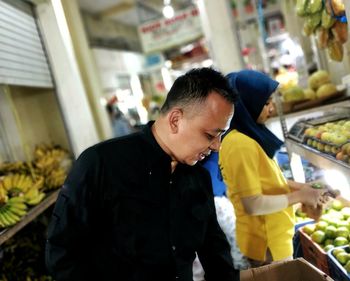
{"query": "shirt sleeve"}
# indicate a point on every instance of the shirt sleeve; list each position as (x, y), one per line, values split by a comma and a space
(69, 228)
(215, 255)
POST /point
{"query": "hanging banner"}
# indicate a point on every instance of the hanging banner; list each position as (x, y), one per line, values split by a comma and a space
(162, 34)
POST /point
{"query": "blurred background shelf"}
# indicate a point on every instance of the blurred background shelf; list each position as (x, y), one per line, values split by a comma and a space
(32, 214)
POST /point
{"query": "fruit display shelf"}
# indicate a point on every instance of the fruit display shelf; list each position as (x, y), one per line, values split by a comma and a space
(338, 271)
(31, 215)
(294, 106)
(321, 160)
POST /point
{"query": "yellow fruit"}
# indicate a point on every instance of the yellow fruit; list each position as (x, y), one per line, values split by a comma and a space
(293, 94)
(326, 90)
(318, 78)
(309, 94)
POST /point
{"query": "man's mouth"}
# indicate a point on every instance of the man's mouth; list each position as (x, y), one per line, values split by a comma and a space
(203, 155)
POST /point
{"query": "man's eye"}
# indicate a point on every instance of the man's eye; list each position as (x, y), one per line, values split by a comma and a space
(210, 137)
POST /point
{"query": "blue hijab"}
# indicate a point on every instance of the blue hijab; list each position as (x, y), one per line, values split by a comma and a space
(254, 89)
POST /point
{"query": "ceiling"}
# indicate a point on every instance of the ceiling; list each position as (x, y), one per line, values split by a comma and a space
(131, 12)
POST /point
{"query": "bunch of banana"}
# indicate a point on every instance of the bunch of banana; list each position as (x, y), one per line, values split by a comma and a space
(46, 151)
(33, 196)
(55, 179)
(16, 184)
(39, 182)
(12, 211)
(41, 149)
(3, 195)
(46, 164)
(14, 167)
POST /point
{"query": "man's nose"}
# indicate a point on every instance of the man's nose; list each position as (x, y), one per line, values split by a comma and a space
(215, 145)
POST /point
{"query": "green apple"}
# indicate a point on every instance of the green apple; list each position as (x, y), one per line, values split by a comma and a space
(345, 132)
(340, 241)
(331, 232)
(343, 223)
(337, 251)
(319, 236)
(346, 212)
(337, 205)
(342, 232)
(325, 136)
(343, 258)
(347, 266)
(309, 228)
(310, 132)
(335, 150)
(346, 125)
(328, 247)
(321, 225)
(339, 139)
(328, 242)
(327, 148)
(320, 147)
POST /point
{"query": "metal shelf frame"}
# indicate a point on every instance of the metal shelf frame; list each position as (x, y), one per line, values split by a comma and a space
(31, 215)
(317, 158)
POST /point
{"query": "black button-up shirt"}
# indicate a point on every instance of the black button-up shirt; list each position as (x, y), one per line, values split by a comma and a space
(122, 215)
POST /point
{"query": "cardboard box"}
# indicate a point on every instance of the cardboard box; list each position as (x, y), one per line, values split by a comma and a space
(293, 270)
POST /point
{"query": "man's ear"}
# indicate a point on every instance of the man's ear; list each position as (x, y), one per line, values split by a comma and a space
(174, 117)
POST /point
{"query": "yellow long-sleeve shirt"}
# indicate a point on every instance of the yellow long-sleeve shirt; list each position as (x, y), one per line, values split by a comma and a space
(247, 171)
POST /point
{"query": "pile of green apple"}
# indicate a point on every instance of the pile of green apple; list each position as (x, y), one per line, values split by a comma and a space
(343, 257)
(333, 228)
(331, 138)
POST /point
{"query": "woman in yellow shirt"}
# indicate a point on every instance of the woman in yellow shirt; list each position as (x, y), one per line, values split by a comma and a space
(261, 196)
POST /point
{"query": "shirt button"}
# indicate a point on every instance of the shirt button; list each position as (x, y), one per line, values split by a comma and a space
(174, 248)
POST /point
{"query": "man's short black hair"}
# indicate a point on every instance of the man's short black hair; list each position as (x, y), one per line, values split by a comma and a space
(195, 86)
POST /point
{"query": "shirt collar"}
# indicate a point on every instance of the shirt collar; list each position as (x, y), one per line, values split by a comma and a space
(158, 152)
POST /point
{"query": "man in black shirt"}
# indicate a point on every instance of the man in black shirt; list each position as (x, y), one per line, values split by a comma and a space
(138, 208)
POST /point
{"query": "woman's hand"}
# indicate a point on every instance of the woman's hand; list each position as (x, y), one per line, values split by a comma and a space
(313, 197)
(304, 193)
(313, 213)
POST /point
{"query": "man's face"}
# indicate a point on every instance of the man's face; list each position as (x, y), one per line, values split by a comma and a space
(199, 132)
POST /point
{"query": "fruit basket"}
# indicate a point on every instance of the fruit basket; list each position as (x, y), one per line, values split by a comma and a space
(339, 263)
(331, 231)
(313, 252)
